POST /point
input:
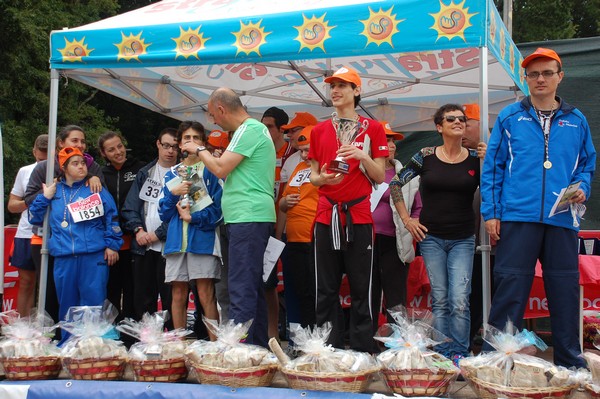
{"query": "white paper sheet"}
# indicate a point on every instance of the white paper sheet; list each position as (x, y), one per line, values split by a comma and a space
(272, 253)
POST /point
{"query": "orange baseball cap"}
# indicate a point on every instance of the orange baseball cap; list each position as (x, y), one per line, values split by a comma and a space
(346, 74)
(389, 132)
(301, 119)
(304, 137)
(66, 153)
(471, 111)
(541, 53)
(218, 139)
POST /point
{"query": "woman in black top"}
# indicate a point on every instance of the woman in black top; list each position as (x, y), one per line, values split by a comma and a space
(446, 226)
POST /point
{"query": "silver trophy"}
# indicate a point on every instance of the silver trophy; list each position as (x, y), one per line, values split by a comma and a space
(346, 130)
(187, 174)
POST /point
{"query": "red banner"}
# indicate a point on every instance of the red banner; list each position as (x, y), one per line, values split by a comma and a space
(11, 274)
(589, 279)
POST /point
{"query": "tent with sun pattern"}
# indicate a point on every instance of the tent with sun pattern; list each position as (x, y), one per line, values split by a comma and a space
(412, 55)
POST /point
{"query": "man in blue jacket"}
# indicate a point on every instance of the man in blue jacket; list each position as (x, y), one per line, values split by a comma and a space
(538, 147)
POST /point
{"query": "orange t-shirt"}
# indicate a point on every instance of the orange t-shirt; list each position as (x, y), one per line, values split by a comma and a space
(281, 156)
(36, 240)
(301, 216)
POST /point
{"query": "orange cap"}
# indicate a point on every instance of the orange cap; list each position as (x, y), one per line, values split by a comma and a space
(301, 119)
(471, 111)
(389, 132)
(304, 137)
(218, 139)
(346, 74)
(66, 153)
(541, 53)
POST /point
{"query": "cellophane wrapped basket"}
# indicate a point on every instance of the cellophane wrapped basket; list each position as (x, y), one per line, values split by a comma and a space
(92, 351)
(323, 368)
(592, 389)
(506, 373)
(159, 354)
(408, 366)
(229, 362)
(592, 384)
(26, 349)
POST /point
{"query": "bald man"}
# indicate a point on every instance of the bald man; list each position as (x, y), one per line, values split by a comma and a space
(248, 165)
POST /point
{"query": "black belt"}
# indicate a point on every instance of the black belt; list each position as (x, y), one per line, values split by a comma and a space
(338, 237)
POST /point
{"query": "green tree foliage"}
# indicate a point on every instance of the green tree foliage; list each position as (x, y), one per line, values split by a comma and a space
(24, 75)
(536, 20)
(586, 14)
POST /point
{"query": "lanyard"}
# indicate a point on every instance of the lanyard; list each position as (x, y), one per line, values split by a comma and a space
(546, 122)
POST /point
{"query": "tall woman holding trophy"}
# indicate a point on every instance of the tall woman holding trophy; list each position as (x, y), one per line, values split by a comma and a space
(192, 206)
(446, 226)
(347, 156)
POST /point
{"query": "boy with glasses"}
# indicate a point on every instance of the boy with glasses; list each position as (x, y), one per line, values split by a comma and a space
(141, 218)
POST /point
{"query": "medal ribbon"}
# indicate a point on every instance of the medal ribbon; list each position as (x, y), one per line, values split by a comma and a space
(545, 123)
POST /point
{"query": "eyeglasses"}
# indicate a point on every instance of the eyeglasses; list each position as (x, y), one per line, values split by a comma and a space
(452, 118)
(167, 146)
(545, 74)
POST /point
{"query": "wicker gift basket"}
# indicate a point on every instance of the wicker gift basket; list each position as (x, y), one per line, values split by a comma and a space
(429, 381)
(490, 390)
(322, 367)
(92, 351)
(592, 383)
(90, 368)
(32, 368)
(506, 373)
(593, 390)
(26, 349)
(229, 362)
(256, 376)
(159, 370)
(159, 354)
(408, 366)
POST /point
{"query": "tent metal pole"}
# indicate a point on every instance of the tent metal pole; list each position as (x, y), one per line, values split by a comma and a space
(309, 82)
(53, 114)
(484, 238)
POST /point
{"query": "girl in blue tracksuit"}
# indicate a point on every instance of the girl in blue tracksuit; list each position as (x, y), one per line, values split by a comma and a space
(85, 237)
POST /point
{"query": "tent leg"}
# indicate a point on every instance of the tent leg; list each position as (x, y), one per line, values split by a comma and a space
(52, 121)
(484, 238)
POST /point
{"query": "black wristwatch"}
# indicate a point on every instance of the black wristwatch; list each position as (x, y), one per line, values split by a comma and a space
(135, 231)
(200, 148)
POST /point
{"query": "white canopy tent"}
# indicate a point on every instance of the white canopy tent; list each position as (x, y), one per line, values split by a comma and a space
(412, 55)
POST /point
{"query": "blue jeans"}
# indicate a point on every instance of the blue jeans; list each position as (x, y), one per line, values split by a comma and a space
(449, 266)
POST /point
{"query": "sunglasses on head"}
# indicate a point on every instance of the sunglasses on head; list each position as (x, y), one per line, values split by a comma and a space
(452, 118)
